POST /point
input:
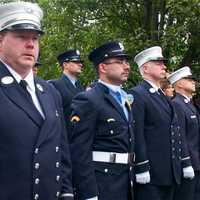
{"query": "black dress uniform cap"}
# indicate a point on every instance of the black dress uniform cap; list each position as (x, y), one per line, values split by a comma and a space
(20, 16)
(107, 50)
(72, 55)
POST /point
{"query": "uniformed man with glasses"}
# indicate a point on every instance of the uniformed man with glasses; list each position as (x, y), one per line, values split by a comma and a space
(102, 140)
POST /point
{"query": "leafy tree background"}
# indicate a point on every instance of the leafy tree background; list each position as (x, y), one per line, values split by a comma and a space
(138, 24)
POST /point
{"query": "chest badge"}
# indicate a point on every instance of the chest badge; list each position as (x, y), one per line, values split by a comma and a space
(186, 101)
(39, 87)
(129, 100)
(7, 80)
(152, 90)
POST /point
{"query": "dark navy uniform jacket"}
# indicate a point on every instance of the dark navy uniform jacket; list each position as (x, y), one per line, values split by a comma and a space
(34, 153)
(99, 124)
(190, 126)
(67, 91)
(158, 139)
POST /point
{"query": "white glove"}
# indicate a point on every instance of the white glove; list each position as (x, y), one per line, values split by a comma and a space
(188, 172)
(143, 178)
(93, 198)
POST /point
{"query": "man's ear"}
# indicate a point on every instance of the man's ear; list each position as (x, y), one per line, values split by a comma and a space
(102, 68)
(65, 66)
(2, 34)
(145, 68)
(180, 83)
(1, 39)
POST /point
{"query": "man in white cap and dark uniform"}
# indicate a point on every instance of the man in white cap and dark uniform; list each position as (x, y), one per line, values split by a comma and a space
(34, 153)
(159, 151)
(185, 87)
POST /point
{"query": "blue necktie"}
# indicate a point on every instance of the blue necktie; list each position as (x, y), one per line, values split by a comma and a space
(119, 98)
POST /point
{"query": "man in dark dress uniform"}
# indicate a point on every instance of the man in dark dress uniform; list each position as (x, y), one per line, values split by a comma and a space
(68, 84)
(102, 139)
(34, 152)
(160, 155)
(188, 115)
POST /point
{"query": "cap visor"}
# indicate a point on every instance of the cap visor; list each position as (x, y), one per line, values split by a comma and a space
(29, 27)
(191, 77)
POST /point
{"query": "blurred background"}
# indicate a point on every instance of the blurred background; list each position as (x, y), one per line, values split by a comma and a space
(138, 24)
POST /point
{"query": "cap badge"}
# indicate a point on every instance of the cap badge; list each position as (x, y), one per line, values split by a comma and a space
(28, 10)
(186, 100)
(39, 87)
(7, 80)
(152, 90)
(121, 46)
(77, 52)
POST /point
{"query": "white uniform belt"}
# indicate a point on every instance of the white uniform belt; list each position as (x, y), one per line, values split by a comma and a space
(112, 157)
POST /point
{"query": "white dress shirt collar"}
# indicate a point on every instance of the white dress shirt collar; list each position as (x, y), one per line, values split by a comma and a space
(114, 88)
(29, 78)
(152, 84)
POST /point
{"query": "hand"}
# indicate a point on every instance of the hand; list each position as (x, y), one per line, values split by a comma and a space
(143, 178)
(93, 198)
(188, 172)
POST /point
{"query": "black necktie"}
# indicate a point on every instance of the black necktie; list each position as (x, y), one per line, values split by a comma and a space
(24, 84)
(160, 92)
(163, 97)
(77, 84)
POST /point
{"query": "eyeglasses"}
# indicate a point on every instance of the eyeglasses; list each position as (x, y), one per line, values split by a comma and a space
(121, 62)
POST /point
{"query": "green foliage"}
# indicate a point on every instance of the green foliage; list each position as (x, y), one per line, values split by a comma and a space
(85, 24)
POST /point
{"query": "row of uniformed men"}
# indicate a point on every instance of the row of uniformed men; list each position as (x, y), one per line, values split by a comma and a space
(145, 133)
(113, 136)
(152, 139)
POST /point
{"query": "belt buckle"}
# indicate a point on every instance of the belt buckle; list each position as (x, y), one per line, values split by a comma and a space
(112, 157)
(131, 158)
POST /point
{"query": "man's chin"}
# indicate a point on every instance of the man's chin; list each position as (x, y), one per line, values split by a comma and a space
(27, 64)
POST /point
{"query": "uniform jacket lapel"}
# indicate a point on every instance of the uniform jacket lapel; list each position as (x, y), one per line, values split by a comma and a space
(188, 103)
(69, 85)
(155, 97)
(48, 108)
(16, 94)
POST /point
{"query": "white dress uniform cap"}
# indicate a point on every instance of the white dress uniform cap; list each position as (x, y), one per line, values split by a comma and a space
(20, 15)
(150, 54)
(183, 72)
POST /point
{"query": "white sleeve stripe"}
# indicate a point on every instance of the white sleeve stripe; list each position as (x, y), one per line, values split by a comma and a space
(141, 163)
(66, 195)
(186, 158)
